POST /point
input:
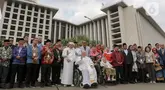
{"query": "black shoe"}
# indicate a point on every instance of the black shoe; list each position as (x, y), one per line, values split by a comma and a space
(33, 85)
(20, 85)
(27, 86)
(132, 82)
(3, 85)
(53, 83)
(94, 85)
(86, 86)
(42, 85)
(48, 85)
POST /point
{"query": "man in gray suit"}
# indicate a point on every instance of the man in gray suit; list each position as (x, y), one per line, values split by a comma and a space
(85, 48)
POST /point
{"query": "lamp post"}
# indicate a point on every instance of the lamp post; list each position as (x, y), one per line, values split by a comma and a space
(89, 19)
(93, 38)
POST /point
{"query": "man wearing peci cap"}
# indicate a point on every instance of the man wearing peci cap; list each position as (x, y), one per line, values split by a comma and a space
(117, 63)
(5, 56)
(32, 63)
(57, 63)
(47, 59)
(18, 64)
(12, 47)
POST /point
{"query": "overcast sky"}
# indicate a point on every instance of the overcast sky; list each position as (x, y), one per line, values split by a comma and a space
(75, 10)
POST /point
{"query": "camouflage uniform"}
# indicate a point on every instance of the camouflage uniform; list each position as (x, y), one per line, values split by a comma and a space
(5, 56)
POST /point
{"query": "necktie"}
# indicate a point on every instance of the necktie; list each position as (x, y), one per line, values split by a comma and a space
(85, 48)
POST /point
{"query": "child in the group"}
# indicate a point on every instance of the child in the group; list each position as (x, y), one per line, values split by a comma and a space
(109, 70)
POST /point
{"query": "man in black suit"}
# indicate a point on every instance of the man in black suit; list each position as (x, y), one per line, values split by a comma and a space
(157, 46)
(161, 52)
(57, 63)
(128, 63)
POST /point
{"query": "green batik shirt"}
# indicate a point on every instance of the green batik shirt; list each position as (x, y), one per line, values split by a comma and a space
(5, 54)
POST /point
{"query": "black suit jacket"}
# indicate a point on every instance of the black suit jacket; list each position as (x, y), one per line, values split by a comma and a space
(128, 59)
(162, 56)
(56, 57)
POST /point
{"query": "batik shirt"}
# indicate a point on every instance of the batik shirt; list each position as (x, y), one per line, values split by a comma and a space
(5, 56)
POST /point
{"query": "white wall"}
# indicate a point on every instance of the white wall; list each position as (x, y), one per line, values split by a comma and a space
(131, 34)
(150, 34)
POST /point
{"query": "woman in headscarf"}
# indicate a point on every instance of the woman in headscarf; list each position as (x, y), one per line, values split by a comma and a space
(158, 68)
(96, 57)
(107, 54)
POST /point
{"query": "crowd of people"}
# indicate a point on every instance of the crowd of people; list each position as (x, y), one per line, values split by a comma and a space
(23, 62)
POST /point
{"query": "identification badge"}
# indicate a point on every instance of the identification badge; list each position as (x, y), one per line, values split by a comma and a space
(34, 54)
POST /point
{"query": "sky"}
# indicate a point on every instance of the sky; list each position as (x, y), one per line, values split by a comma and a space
(75, 10)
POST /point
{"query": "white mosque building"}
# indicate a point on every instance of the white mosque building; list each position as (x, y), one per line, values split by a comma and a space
(120, 24)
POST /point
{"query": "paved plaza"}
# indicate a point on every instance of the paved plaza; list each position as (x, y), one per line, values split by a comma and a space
(158, 86)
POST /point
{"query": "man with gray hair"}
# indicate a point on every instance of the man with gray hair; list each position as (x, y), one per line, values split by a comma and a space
(85, 48)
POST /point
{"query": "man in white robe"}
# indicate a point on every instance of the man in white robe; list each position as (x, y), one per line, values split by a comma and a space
(69, 57)
(86, 66)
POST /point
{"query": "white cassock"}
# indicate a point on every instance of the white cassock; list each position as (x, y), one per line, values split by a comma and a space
(67, 76)
(78, 53)
(86, 66)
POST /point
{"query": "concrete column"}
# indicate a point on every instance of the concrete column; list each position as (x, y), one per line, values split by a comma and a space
(3, 15)
(87, 33)
(141, 43)
(98, 31)
(50, 24)
(31, 25)
(44, 24)
(70, 31)
(90, 30)
(17, 22)
(103, 31)
(66, 32)
(55, 31)
(73, 31)
(38, 21)
(94, 30)
(107, 33)
(81, 30)
(59, 33)
(9, 23)
(77, 31)
(109, 29)
(84, 30)
(24, 24)
(121, 20)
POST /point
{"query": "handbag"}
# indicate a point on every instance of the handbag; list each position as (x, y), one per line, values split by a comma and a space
(158, 68)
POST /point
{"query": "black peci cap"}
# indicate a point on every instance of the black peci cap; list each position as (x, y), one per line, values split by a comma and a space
(58, 40)
(115, 45)
(76, 42)
(6, 40)
(48, 40)
(21, 39)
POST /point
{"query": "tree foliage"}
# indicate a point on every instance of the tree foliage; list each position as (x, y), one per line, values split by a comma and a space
(79, 39)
